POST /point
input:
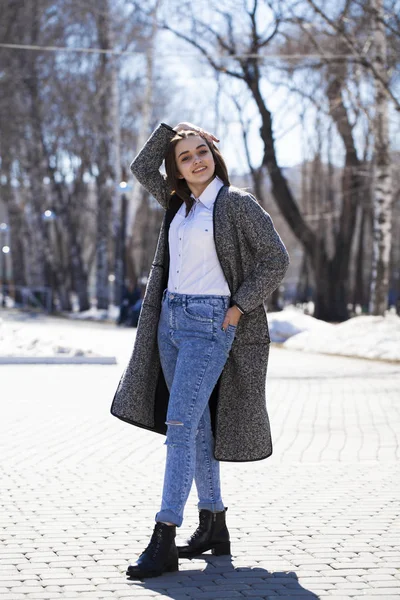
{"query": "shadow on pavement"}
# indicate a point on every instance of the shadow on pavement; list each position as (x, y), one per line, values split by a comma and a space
(220, 580)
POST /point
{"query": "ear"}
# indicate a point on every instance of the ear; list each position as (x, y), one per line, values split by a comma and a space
(180, 176)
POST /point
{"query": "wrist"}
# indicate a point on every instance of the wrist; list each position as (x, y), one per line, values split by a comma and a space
(239, 310)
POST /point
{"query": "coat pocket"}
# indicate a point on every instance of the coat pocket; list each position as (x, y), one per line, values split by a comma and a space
(253, 327)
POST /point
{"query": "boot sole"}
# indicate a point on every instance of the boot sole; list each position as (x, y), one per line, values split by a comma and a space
(149, 574)
(222, 549)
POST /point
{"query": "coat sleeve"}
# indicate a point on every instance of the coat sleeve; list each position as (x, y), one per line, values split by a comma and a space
(145, 166)
(271, 258)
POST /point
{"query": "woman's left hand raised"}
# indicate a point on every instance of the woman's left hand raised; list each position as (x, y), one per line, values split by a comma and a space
(185, 126)
(232, 317)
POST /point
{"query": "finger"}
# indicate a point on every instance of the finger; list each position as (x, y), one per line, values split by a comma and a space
(208, 136)
(225, 324)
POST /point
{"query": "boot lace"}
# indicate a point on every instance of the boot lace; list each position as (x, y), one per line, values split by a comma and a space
(200, 529)
(154, 544)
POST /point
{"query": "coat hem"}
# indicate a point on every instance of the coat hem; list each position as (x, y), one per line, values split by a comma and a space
(131, 422)
(243, 460)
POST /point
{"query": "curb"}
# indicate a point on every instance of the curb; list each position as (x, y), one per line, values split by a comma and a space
(58, 360)
(394, 361)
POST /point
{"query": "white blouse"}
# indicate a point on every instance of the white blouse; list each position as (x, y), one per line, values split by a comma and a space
(194, 265)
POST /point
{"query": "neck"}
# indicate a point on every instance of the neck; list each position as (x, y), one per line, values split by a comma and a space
(197, 190)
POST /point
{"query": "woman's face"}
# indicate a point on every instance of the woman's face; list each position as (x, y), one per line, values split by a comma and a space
(195, 161)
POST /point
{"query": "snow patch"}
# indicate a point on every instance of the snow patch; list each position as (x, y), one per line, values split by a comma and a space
(362, 336)
(96, 314)
(291, 321)
(29, 340)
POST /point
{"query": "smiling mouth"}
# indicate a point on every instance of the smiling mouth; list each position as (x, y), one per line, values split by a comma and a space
(200, 170)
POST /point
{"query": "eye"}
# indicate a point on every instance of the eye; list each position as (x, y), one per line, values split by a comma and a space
(203, 151)
(184, 158)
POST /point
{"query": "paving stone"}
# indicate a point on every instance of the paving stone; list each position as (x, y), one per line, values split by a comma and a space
(256, 594)
(26, 589)
(216, 594)
(79, 588)
(385, 592)
(368, 597)
(384, 583)
(316, 519)
(44, 596)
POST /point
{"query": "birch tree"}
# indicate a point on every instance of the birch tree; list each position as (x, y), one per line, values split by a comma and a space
(371, 51)
(383, 199)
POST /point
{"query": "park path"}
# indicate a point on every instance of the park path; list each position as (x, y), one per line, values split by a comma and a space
(79, 488)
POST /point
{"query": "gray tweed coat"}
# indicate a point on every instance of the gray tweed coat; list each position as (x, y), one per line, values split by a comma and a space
(254, 261)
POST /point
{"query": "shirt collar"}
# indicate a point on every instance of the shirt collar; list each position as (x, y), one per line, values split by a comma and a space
(209, 195)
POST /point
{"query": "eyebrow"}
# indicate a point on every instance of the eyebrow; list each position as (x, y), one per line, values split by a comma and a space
(186, 151)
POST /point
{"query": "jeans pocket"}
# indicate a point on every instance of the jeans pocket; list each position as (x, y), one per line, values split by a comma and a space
(201, 312)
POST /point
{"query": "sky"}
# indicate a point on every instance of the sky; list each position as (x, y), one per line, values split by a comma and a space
(295, 140)
(198, 83)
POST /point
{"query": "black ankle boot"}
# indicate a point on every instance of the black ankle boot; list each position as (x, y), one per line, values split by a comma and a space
(211, 534)
(160, 556)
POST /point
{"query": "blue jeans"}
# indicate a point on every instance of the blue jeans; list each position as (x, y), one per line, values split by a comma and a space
(193, 350)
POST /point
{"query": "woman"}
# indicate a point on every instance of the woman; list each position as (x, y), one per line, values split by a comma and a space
(198, 368)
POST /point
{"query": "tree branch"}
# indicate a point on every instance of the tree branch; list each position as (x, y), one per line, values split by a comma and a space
(203, 51)
(357, 53)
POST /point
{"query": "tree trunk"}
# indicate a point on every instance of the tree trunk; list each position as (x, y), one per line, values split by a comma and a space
(107, 178)
(359, 290)
(102, 240)
(331, 294)
(16, 224)
(73, 222)
(383, 201)
(80, 278)
(146, 113)
(120, 250)
(115, 144)
(303, 284)
(331, 275)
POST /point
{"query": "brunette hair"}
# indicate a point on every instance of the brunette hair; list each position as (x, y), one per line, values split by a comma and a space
(178, 185)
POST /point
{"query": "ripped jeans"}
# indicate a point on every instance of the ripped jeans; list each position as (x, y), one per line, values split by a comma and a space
(193, 351)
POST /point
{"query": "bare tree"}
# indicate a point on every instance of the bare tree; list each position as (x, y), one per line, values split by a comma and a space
(383, 200)
(369, 48)
(246, 54)
(235, 45)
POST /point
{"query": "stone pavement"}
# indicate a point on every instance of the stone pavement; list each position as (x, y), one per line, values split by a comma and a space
(319, 519)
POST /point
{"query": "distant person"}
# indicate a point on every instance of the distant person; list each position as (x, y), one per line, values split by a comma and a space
(198, 367)
(130, 296)
(135, 309)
